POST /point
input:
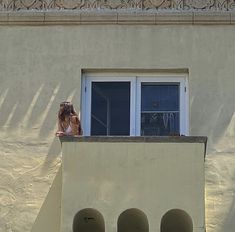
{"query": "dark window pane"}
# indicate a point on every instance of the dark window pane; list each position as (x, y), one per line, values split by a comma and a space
(159, 97)
(110, 108)
(97, 127)
(160, 124)
(160, 109)
(99, 101)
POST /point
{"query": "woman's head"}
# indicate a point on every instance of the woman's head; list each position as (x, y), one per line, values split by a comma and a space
(63, 104)
(66, 110)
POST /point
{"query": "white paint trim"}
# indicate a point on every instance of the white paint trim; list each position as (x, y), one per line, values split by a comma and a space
(83, 106)
(86, 106)
(184, 99)
(133, 107)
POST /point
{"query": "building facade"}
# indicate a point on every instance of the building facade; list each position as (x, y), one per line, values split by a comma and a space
(51, 51)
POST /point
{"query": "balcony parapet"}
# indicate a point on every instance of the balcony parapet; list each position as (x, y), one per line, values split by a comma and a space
(136, 139)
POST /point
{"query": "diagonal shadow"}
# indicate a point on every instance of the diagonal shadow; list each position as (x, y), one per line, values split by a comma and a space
(49, 124)
(55, 148)
(229, 222)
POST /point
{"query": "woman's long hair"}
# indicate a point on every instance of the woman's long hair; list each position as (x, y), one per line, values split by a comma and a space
(67, 109)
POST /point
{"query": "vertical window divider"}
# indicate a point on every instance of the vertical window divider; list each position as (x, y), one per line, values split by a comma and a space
(133, 107)
(138, 105)
(88, 96)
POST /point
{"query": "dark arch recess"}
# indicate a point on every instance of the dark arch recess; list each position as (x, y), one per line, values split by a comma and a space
(88, 220)
(176, 220)
(133, 220)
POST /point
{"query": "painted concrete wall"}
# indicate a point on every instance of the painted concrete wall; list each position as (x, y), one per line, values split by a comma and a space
(48, 218)
(113, 177)
(41, 66)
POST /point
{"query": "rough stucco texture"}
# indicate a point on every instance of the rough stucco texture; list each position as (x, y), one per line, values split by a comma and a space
(41, 66)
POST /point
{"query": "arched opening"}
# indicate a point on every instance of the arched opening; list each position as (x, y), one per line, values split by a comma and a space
(88, 220)
(176, 220)
(133, 220)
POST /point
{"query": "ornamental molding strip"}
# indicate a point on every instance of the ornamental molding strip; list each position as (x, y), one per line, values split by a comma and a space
(61, 12)
(117, 5)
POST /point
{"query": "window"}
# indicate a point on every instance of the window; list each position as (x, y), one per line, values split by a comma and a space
(135, 105)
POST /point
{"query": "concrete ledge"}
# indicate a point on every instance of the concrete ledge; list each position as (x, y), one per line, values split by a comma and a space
(212, 18)
(136, 18)
(232, 16)
(136, 139)
(89, 18)
(174, 18)
(115, 17)
(61, 18)
(3, 18)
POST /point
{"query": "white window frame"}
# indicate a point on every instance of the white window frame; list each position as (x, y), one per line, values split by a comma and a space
(135, 98)
(183, 83)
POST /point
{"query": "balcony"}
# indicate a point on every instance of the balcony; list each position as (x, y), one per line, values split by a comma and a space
(112, 175)
(130, 184)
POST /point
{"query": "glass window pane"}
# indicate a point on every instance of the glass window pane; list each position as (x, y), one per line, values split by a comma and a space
(159, 97)
(160, 109)
(99, 106)
(110, 108)
(159, 124)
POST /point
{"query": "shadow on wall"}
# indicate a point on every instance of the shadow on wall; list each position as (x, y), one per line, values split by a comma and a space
(229, 224)
(28, 109)
(214, 119)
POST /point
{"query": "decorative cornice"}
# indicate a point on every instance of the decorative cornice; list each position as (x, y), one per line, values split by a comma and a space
(54, 12)
(110, 5)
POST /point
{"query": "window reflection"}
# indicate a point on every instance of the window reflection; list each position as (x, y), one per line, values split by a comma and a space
(160, 109)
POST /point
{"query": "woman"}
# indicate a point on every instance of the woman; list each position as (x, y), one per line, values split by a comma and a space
(68, 121)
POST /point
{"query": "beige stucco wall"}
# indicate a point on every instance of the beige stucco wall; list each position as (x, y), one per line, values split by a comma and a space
(113, 177)
(49, 216)
(41, 66)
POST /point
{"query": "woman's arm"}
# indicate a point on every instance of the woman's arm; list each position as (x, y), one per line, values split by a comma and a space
(60, 130)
